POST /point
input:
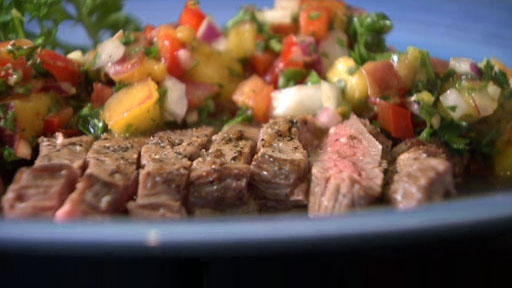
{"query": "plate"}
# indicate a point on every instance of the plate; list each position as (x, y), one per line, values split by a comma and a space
(467, 28)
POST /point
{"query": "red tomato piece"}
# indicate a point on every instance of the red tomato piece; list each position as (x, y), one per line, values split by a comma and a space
(255, 94)
(16, 66)
(284, 29)
(192, 15)
(395, 119)
(150, 32)
(262, 61)
(100, 94)
(169, 45)
(62, 68)
(314, 21)
(55, 122)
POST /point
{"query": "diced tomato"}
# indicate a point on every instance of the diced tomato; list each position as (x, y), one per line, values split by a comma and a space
(100, 94)
(197, 92)
(383, 80)
(62, 68)
(150, 32)
(284, 29)
(262, 61)
(333, 7)
(192, 15)
(291, 51)
(440, 66)
(255, 94)
(169, 45)
(16, 66)
(55, 122)
(395, 119)
(314, 21)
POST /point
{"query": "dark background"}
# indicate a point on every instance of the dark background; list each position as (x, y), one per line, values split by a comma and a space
(481, 260)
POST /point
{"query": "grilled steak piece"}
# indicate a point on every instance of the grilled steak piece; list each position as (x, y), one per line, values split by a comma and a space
(109, 182)
(420, 173)
(220, 176)
(166, 161)
(39, 191)
(70, 151)
(348, 172)
(279, 171)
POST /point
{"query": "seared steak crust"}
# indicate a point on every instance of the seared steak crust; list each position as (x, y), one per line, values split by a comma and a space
(166, 162)
(219, 177)
(71, 151)
(109, 182)
(279, 171)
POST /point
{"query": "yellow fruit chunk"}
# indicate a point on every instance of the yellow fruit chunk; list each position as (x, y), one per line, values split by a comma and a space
(242, 39)
(30, 112)
(215, 68)
(134, 109)
(356, 86)
(137, 69)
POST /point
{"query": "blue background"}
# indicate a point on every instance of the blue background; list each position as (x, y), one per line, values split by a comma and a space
(465, 28)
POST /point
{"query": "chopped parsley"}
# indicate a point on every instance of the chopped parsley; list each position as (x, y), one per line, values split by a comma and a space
(7, 118)
(152, 52)
(207, 109)
(291, 77)
(244, 115)
(314, 15)
(498, 76)
(454, 134)
(129, 38)
(367, 32)
(9, 155)
(119, 86)
(89, 120)
(313, 78)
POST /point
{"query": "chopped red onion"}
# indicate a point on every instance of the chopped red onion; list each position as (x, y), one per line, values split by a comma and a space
(476, 70)
(208, 31)
(308, 48)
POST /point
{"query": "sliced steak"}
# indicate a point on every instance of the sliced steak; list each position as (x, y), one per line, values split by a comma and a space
(420, 173)
(220, 176)
(166, 161)
(348, 172)
(109, 182)
(39, 191)
(280, 169)
(70, 151)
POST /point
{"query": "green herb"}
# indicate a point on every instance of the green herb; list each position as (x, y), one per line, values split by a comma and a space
(498, 76)
(275, 44)
(324, 55)
(90, 121)
(9, 155)
(427, 113)
(367, 32)
(152, 52)
(119, 86)
(207, 109)
(24, 90)
(453, 134)
(488, 145)
(313, 78)
(162, 91)
(452, 108)
(314, 15)
(7, 117)
(244, 115)
(97, 17)
(129, 38)
(3, 85)
(291, 77)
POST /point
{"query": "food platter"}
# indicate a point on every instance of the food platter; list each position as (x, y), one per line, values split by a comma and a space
(445, 29)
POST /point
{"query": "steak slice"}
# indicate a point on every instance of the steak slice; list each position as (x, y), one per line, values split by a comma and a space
(109, 182)
(220, 176)
(279, 171)
(39, 191)
(347, 173)
(166, 161)
(70, 151)
(420, 173)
